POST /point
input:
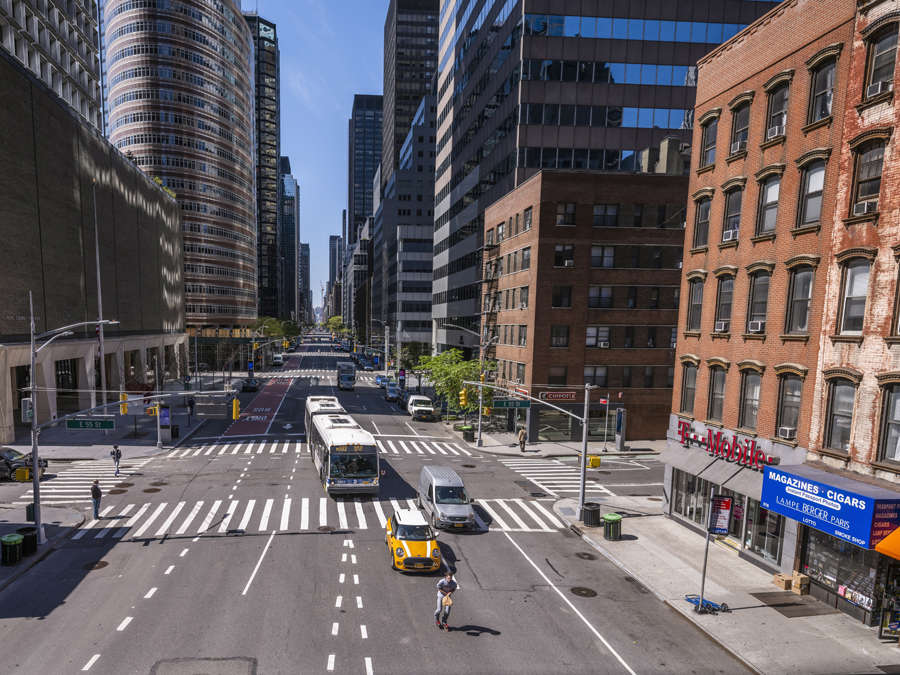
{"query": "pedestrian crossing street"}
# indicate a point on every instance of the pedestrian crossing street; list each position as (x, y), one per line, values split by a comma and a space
(554, 477)
(282, 447)
(73, 485)
(221, 516)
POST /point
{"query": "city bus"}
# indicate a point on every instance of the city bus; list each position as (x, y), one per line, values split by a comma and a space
(320, 405)
(344, 454)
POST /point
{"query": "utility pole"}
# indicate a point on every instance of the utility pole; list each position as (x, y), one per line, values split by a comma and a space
(387, 350)
(158, 402)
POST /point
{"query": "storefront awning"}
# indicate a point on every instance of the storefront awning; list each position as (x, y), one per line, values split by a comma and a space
(890, 545)
(719, 471)
(746, 482)
(687, 459)
(862, 513)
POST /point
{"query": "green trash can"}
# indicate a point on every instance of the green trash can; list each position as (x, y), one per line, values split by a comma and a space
(612, 526)
(29, 540)
(11, 549)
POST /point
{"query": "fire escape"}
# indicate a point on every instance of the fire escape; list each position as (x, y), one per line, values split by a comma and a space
(490, 297)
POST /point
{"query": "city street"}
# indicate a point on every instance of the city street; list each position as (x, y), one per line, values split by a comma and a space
(226, 556)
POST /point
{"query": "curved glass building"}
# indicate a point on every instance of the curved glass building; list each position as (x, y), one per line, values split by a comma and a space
(181, 101)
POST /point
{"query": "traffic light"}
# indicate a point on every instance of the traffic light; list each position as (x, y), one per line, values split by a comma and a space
(123, 406)
(463, 398)
(235, 409)
(482, 377)
(487, 411)
(255, 346)
(152, 410)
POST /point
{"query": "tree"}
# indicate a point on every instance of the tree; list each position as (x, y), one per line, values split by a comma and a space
(447, 372)
(289, 328)
(336, 324)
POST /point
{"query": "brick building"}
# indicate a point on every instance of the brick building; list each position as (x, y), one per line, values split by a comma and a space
(787, 333)
(581, 286)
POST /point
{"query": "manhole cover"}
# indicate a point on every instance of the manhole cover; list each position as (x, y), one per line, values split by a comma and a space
(124, 485)
(469, 466)
(326, 528)
(654, 499)
(116, 492)
(159, 482)
(586, 556)
(583, 592)
(96, 565)
(151, 490)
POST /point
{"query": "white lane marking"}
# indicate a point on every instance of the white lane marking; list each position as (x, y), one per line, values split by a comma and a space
(376, 428)
(395, 505)
(91, 661)
(209, 516)
(224, 448)
(393, 447)
(284, 448)
(571, 606)
(380, 513)
(449, 449)
(112, 524)
(363, 632)
(147, 523)
(493, 514)
(342, 515)
(411, 504)
(168, 521)
(298, 447)
(462, 450)
(149, 594)
(285, 513)
(334, 628)
(356, 580)
(249, 449)
(169, 569)
(183, 553)
(381, 447)
(343, 557)
(415, 433)
(360, 516)
(262, 447)
(236, 448)
(267, 511)
(359, 601)
(437, 446)
(512, 514)
(330, 665)
(550, 516)
(209, 451)
(122, 626)
(199, 450)
(185, 453)
(348, 543)
(258, 563)
(193, 514)
(369, 669)
(83, 530)
(304, 513)
(223, 526)
(427, 447)
(323, 513)
(338, 601)
(245, 520)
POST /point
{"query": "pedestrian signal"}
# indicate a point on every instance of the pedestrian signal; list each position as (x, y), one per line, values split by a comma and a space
(235, 409)
(487, 411)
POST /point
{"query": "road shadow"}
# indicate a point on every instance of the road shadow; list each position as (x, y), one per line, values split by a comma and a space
(474, 631)
(393, 485)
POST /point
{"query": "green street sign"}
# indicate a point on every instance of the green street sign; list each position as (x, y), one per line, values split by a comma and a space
(510, 403)
(91, 423)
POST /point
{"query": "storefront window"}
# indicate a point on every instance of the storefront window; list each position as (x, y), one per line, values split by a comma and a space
(765, 532)
(737, 512)
(845, 569)
(691, 496)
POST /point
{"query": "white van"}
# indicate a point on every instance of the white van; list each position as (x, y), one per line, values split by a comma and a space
(442, 496)
(277, 360)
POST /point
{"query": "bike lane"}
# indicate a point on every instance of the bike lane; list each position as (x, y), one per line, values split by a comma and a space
(261, 411)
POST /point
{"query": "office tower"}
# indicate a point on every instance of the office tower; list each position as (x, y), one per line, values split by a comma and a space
(304, 291)
(288, 242)
(268, 149)
(58, 42)
(184, 115)
(334, 258)
(410, 60)
(364, 156)
(520, 90)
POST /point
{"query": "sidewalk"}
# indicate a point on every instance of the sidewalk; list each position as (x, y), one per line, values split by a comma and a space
(771, 631)
(58, 525)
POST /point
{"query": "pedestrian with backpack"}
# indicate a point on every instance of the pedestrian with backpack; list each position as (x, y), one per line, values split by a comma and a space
(446, 587)
(96, 494)
(116, 454)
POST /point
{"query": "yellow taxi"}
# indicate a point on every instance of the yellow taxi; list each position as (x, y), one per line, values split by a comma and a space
(411, 542)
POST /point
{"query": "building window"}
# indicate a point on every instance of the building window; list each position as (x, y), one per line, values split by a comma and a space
(768, 205)
(565, 213)
(716, 394)
(840, 414)
(856, 287)
(653, 303)
(723, 305)
(526, 219)
(520, 372)
(695, 306)
(523, 336)
(523, 297)
(740, 125)
(637, 216)
(777, 118)
(822, 92)
(628, 340)
(626, 376)
(701, 223)
(559, 336)
(562, 296)
(489, 237)
(600, 297)
(603, 256)
(631, 298)
(688, 388)
(564, 255)
(732, 223)
(708, 143)
(789, 406)
(526, 258)
(648, 377)
(811, 194)
(606, 215)
(500, 232)
(869, 160)
(882, 55)
(798, 300)
(890, 434)
(750, 384)
(759, 301)
(595, 375)
(556, 375)
(596, 336)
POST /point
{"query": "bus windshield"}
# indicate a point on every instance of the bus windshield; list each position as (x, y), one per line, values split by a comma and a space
(450, 495)
(354, 466)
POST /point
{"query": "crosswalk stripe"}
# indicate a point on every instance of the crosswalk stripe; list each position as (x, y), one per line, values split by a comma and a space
(395, 505)
(437, 446)
(342, 515)
(267, 510)
(393, 447)
(411, 504)
(449, 449)
(164, 528)
(360, 516)
(236, 448)
(224, 448)
(103, 532)
(209, 451)
(297, 447)
(249, 448)
(204, 526)
(462, 450)
(226, 520)
(323, 513)
(415, 446)
(245, 520)
(262, 446)
(284, 448)
(427, 448)
(147, 523)
(130, 522)
(552, 518)
(493, 514)
(191, 515)
(304, 513)
(199, 450)
(380, 513)
(285, 511)
(90, 525)
(185, 452)
(512, 514)
(381, 446)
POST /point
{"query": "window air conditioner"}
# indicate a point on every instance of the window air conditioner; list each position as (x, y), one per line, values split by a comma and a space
(722, 326)
(522, 305)
(862, 208)
(787, 433)
(729, 235)
(775, 131)
(757, 327)
(603, 345)
(737, 146)
(569, 263)
(878, 88)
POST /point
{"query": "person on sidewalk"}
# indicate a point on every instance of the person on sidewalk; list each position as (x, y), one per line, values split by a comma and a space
(523, 436)
(117, 457)
(96, 494)
(446, 587)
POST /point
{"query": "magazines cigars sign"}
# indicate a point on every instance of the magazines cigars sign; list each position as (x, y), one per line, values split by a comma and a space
(740, 451)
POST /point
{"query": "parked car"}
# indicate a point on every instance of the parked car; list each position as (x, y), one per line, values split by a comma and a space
(420, 408)
(251, 384)
(392, 391)
(369, 367)
(380, 380)
(10, 460)
(237, 385)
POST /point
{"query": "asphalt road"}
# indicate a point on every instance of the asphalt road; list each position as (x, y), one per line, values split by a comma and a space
(227, 557)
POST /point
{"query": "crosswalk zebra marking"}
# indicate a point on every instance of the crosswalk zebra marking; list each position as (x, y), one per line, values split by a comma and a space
(493, 514)
(380, 513)
(323, 513)
(209, 452)
(360, 516)
(285, 512)
(204, 526)
(190, 518)
(267, 510)
(245, 520)
(226, 520)
(147, 523)
(164, 528)
(130, 522)
(104, 531)
(512, 514)
(304, 513)
(90, 525)
(342, 515)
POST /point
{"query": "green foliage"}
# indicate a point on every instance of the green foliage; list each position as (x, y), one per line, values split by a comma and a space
(447, 372)
(336, 324)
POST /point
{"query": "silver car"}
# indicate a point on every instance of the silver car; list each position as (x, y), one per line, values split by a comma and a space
(442, 496)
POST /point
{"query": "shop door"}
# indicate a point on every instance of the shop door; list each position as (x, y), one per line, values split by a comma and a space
(890, 605)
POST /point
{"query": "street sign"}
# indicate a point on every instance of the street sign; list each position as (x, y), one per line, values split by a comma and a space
(249, 365)
(510, 403)
(719, 514)
(557, 395)
(603, 401)
(522, 390)
(91, 423)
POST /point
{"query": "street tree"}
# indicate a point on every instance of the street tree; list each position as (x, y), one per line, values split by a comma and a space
(447, 372)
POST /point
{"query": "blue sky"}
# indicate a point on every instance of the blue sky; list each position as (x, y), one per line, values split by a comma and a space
(330, 50)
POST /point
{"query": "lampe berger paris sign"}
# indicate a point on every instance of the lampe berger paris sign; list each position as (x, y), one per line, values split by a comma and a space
(740, 451)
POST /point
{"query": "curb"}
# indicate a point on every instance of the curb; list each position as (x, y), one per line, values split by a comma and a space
(615, 561)
(49, 547)
(187, 437)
